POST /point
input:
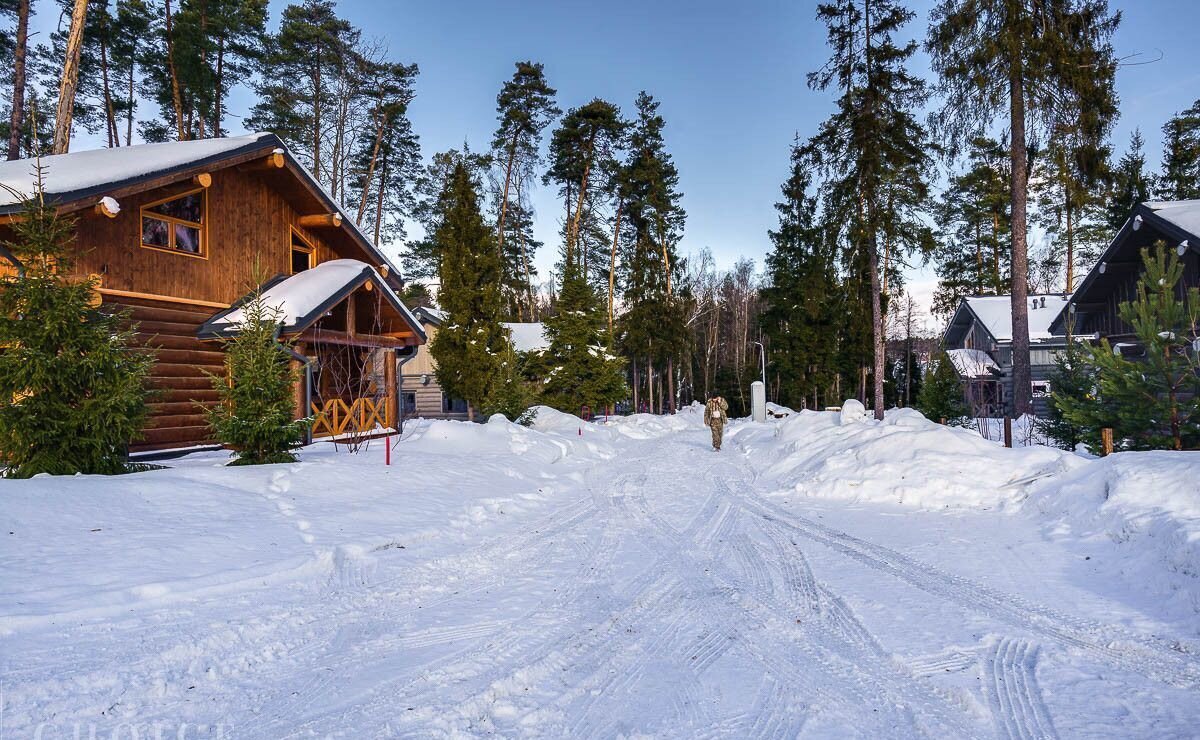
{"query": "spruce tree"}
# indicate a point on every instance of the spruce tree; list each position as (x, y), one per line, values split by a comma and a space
(941, 396)
(1154, 399)
(1180, 179)
(73, 385)
(653, 330)
(1035, 65)
(802, 296)
(470, 346)
(577, 368)
(1131, 184)
(256, 416)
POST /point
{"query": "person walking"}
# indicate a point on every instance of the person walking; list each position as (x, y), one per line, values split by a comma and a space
(715, 418)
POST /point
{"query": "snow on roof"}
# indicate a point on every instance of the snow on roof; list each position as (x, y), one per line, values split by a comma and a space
(303, 296)
(995, 313)
(1183, 213)
(529, 337)
(77, 171)
(972, 363)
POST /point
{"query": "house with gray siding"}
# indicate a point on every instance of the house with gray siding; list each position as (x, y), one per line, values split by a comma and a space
(979, 341)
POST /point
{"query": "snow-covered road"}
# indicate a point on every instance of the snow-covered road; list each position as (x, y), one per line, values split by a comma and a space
(663, 590)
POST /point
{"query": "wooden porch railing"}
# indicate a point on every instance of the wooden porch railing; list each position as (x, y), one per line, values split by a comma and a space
(335, 417)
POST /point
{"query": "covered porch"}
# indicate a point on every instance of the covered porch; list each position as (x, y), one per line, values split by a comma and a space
(348, 330)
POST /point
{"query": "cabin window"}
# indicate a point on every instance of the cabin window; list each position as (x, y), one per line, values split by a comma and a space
(410, 403)
(176, 224)
(302, 253)
(453, 405)
(1041, 389)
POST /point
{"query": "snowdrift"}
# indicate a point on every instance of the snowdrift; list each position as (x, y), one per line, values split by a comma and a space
(1146, 505)
(904, 459)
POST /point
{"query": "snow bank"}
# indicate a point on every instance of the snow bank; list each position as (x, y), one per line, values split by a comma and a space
(91, 547)
(1145, 506)
(903, 459)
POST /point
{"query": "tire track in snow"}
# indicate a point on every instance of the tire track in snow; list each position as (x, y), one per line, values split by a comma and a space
(858, 670)
(1147, 657)
(1010, 685)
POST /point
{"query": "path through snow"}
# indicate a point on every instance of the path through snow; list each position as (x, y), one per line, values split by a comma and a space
(663, 590)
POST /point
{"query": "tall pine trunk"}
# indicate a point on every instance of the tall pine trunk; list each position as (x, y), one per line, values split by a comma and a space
(16, 121)
(69, 81)
(110, 116)
(508, 168)
(612, 270)
(362, 203)
(1022, 391)
(173, 72)
(219, 86)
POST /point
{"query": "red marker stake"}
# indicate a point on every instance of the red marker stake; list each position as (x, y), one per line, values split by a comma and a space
(387, 455)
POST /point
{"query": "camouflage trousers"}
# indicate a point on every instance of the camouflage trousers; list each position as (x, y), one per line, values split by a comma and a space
(718, 430)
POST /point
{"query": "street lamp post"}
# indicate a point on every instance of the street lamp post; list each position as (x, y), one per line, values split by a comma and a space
(762, 356)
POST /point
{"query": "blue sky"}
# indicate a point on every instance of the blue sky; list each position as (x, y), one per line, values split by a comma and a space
(730, 78)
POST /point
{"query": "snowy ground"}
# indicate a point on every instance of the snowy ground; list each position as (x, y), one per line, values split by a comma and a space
(816, 578)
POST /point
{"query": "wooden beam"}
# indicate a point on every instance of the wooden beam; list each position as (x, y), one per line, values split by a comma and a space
(273, 161)
(204, 179)
(351, 315)
(383, 271)
(360, 340)
(163, 298)
(318, 220)
(102, 209)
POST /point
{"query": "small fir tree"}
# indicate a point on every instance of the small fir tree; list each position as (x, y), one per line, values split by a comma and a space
(256, 416)
(1074, 385)
(72, 384)
(577, 369)
(511, 394)
(941, 395)
(1153, 400)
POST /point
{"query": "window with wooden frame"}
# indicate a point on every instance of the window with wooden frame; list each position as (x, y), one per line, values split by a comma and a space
(177, 224)
(303, 253)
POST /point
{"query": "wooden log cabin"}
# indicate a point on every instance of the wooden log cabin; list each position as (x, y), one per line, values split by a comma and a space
(1093, 311)
(181, 233)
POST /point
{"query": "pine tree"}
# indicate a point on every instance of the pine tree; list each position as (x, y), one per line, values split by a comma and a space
(874, 153)
(256, 415)
(16, 48)
(1153, 400)
(73, 387)
(1035, 64)
(1131, 183)
(577, 368)
(388, 153)
(971, 257)
(470, 346)
(582, 153)
(1180, 179)
(306, 63)
(802, 296)
(525, 107)
(1070, 204)
(941, 396)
